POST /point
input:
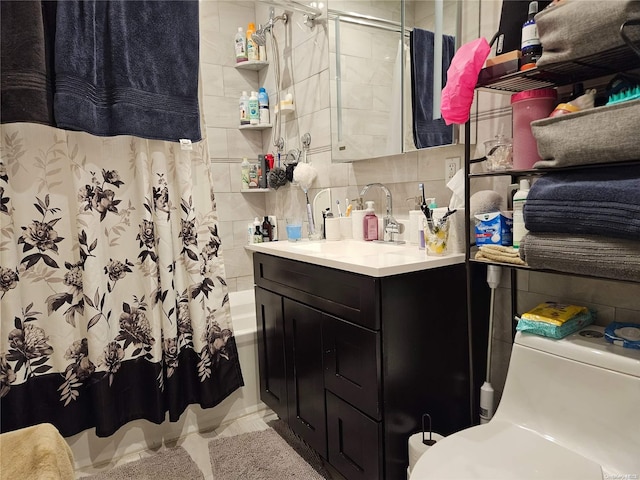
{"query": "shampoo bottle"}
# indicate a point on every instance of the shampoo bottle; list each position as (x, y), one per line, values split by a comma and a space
(252, 47)
(240, 46)
(519, 200)
(370, 223)
(254, 114)
(262, 49)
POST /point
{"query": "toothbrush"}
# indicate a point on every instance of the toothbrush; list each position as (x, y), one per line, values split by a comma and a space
(339, 211)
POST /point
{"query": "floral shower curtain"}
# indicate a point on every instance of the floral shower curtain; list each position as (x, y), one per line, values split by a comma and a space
(114, 304)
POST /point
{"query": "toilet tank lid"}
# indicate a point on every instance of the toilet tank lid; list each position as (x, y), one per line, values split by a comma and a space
(586, 346)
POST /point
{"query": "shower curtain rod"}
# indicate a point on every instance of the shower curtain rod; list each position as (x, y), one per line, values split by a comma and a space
(368, 20)
(311, 12)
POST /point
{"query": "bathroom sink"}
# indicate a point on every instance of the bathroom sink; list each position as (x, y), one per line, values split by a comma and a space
(345, 248)
(377, 259)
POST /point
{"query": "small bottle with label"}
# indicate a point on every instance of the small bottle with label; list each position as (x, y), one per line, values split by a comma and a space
(370, 223)
(245, 166)
(530, 46)
(267, 229)
(257, 233)
(244, 108)
(254, 113)
(240, 46)
(519, 200)
(252, 46)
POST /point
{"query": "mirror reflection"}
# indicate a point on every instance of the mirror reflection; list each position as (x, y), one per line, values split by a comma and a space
(371, 73)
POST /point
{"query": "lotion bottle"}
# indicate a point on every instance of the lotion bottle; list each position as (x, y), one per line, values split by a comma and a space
(370, 223)
(240, 46)
(252, 47)
(519, 199)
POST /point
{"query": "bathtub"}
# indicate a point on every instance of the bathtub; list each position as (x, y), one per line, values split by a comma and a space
(139, 435)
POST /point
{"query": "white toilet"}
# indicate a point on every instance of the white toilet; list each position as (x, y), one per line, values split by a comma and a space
(570, 410)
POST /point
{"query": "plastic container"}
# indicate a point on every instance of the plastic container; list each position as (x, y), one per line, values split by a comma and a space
(244, 108)
(263, 106)
(252, 47)
(254, 106)
(499, 153)
(519, 199)
(370, 223)
(240, 46)
(528, 106)
(262, 49)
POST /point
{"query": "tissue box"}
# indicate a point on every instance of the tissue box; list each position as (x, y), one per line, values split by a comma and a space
(494, 228)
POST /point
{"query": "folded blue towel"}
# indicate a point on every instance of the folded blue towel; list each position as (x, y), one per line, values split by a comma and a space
(128, 68)
(603, 202)
(428, 132)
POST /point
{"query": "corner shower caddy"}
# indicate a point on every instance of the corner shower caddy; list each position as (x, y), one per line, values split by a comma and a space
(625, 58)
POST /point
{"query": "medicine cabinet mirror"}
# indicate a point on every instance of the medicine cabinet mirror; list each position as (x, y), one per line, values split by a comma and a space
(370, 69)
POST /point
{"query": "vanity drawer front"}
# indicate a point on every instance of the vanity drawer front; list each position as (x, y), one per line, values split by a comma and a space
(352, 364)
(355, 441)
(347, 295)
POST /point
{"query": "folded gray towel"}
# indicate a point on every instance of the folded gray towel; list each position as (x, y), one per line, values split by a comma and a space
(128, 68)
(604, 202)
(26, 45)
(583, 254)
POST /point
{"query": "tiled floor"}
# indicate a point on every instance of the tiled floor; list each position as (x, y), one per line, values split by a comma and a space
(196, 444)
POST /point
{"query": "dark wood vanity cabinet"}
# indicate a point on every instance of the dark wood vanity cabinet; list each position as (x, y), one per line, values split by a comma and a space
(351, 362)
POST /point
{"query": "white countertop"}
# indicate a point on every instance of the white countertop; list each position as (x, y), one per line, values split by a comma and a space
(368, 258)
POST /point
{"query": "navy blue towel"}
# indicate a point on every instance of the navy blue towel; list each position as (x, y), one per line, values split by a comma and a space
(26, 61)
(128, 68)
(428, 132)
(604, 202)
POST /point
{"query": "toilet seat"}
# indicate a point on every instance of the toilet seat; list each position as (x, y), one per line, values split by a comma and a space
(502, 451)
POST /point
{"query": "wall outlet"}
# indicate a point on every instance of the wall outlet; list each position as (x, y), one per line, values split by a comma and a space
(451, 166)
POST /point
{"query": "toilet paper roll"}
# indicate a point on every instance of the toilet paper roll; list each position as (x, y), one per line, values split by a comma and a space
(417, 448)
(357, 221)
(332, 229)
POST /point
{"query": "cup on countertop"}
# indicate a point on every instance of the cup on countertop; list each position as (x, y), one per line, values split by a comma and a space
(346, 230)
(294, 229)
(357, 224)
(332, 229)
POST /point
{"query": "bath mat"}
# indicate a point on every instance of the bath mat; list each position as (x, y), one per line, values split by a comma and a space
(271, 454)
(169, 464)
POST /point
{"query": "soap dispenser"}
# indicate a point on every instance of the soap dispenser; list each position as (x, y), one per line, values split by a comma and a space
(370, 223)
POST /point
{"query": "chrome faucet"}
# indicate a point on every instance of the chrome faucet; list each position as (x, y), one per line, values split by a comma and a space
(390, 225)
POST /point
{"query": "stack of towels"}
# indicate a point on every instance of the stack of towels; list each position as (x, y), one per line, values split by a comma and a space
(585, 222)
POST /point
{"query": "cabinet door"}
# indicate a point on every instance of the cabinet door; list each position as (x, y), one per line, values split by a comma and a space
(305, 385)
(355, 441)
(352, 364)
(271, 351)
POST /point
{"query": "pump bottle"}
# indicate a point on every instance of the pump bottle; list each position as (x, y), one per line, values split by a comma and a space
(370, 223)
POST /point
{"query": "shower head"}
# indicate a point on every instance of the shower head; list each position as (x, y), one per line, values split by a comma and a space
(260, 35)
